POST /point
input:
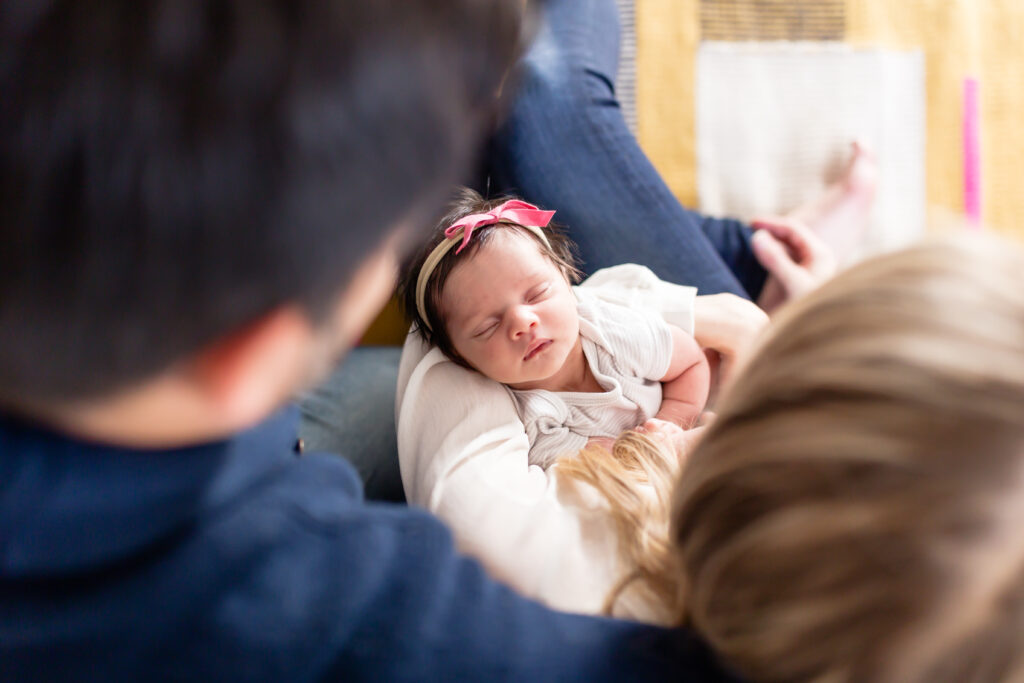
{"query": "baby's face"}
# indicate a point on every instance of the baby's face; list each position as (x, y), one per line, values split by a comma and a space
(510, 312)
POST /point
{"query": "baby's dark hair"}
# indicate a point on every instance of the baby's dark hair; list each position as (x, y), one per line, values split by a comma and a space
(560, 250)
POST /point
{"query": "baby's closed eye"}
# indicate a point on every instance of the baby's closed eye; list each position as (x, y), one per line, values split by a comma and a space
(486, 330)
(538, 293)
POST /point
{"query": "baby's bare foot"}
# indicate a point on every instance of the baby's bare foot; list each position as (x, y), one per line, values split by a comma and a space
(840, 215)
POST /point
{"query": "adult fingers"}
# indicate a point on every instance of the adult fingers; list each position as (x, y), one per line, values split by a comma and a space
(798, 238)
(777, 260)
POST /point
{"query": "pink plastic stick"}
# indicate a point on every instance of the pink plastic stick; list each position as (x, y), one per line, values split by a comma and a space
(972, 154)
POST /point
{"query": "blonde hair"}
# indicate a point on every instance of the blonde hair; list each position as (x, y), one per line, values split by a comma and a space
(856, 512)
(636, 478)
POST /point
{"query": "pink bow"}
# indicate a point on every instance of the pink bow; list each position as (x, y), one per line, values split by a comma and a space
(514, 211)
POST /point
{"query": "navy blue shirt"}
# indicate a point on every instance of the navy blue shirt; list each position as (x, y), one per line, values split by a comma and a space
(241, 560)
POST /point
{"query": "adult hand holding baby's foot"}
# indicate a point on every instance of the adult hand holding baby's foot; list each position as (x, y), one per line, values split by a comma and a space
(796, 259)
(811, 238)
(839, 216)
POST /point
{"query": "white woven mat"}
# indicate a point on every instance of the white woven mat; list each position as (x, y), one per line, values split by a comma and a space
(774, 119)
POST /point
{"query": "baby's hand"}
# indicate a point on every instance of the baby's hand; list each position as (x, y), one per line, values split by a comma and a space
(675, 437)
(662, 430)
(603, 442)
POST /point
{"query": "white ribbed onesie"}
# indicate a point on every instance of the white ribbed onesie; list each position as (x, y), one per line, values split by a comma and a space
(629, 351)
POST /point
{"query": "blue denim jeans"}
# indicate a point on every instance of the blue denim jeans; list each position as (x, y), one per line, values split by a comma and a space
(565, 146)
(353, 414)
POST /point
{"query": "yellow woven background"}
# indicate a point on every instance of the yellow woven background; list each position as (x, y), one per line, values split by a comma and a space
(981, 38)
(960, 38)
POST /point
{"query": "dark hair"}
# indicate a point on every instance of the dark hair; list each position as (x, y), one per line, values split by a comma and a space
(467, 202)
(171, 170)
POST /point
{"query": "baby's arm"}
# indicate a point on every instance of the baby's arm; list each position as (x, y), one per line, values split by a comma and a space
(685, 384)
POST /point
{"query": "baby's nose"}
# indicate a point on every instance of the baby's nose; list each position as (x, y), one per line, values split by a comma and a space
(523, 321)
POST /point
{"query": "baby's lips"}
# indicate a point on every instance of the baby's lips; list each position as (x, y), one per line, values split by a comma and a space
(534, 347)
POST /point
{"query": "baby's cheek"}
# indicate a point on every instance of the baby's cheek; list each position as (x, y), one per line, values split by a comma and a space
(465, 351)
(487, 356)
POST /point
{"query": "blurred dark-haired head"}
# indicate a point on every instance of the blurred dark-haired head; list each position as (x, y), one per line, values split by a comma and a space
(171, 170)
